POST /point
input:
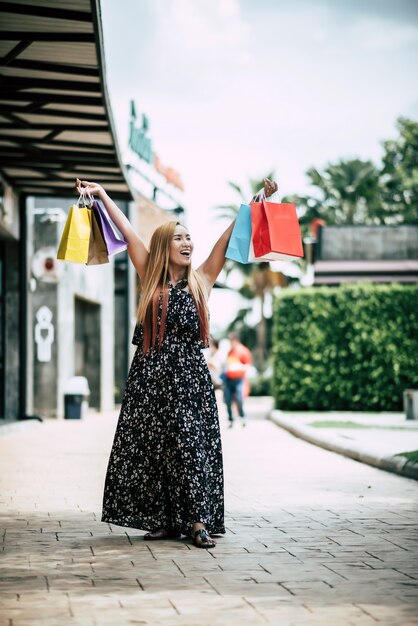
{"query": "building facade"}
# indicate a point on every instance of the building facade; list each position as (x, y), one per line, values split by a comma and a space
(59, 320)
(56, 125)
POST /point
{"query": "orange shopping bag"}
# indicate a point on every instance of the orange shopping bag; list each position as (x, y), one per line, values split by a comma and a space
(276, 232)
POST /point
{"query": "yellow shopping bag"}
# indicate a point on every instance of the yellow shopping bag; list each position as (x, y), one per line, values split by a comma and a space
(75, 240)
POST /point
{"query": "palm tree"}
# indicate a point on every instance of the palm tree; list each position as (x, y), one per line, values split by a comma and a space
(348, 193)
(259, 279)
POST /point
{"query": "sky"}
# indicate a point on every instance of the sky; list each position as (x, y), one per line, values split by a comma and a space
(237, 88)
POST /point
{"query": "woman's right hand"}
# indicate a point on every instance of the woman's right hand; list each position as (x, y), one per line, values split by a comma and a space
(84, 186)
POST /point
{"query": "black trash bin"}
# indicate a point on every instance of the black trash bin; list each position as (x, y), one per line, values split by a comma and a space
(72, 406)
(76, 394)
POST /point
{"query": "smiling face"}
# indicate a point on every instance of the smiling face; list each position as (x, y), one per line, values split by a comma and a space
(181, 247)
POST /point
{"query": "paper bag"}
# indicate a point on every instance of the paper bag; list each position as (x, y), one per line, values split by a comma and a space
(113, 242)
(97, 247)
(276, 232)
(75, 239)
(239, 242)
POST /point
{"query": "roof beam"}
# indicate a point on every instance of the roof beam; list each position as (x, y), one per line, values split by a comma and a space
(76, 158)
(17, 121)
(41, 66)
(15, 52)
(38, 182)
(31, 178)
(30, 164)
(23, 110)
(40, 11)
(34, 106)
(46, 98)
(51, 136)
(33, 35)
(47, 191)
(95, 128)
(27, 164)
(28, 82)
(35, 142)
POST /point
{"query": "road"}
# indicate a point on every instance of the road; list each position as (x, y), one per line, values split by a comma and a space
(312, 538)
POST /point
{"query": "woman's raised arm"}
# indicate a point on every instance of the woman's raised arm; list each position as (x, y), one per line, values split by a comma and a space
(136, 247)
(212, 267)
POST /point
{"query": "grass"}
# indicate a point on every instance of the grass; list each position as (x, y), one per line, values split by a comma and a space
(411, 456)
(341, 424)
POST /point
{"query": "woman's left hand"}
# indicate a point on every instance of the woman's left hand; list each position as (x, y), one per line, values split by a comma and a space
(270, 187)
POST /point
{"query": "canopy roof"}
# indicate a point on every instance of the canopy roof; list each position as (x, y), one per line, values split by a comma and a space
(55, 117)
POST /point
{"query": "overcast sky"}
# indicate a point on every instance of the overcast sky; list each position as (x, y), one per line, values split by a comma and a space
(235, 88)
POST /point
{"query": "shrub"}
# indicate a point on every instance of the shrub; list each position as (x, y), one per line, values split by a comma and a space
(352, 347)
(260, 386)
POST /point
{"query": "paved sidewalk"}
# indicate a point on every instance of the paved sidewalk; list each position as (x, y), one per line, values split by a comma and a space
(378, 439)
(313, 538)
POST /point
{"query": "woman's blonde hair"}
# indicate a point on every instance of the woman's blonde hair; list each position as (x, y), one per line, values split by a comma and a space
(154, 290)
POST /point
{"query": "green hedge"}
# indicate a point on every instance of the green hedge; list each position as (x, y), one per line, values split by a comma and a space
(352, 347)
(260, 386)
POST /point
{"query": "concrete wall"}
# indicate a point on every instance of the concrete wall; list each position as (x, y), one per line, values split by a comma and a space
(9, 240)
(11, 339)
(367, 243)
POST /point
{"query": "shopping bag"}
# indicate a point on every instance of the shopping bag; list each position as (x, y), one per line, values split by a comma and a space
(97, 246)
(239, 242)
(276, 232)
(75, 239)
(113, 242)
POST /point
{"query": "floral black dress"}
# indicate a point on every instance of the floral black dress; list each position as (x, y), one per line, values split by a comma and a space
(165, 468)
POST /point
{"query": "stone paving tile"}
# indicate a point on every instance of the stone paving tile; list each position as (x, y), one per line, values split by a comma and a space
(312, 539)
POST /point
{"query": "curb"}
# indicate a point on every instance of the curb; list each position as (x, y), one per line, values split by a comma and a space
(395, 464)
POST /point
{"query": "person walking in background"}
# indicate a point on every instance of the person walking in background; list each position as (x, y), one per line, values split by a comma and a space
(165, 471)
(237, 362)
(214, 363)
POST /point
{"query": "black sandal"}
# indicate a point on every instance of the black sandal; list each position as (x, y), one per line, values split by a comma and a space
(205, 541)
(162, 533)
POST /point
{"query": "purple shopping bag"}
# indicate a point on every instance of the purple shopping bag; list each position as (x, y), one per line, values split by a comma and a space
(113, 243)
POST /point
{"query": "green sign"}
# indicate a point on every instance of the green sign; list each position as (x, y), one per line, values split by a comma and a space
(138, 140)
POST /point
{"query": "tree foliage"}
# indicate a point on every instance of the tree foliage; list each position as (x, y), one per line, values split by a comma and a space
(399, 177)
(357, 192)
(258, 278)
(346, 192)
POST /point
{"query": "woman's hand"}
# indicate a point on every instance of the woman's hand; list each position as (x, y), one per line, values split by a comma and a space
(137, 251)
(270, 187)
(83, 186)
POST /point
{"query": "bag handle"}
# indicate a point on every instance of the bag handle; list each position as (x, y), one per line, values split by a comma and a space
(260, 196)
(83, 195)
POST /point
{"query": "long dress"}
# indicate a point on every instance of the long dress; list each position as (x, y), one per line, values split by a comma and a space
(165, 468)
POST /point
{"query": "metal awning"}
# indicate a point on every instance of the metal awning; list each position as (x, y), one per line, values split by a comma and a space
(55, 117)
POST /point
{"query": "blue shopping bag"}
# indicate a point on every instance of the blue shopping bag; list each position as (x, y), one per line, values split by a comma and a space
(239, 243)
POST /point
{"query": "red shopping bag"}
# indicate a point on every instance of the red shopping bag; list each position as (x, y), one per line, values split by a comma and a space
(276, 232)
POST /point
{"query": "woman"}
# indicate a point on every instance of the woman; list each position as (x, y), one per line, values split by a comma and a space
(165, 470)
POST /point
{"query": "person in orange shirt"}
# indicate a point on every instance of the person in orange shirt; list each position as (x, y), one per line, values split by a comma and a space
(237, 362)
